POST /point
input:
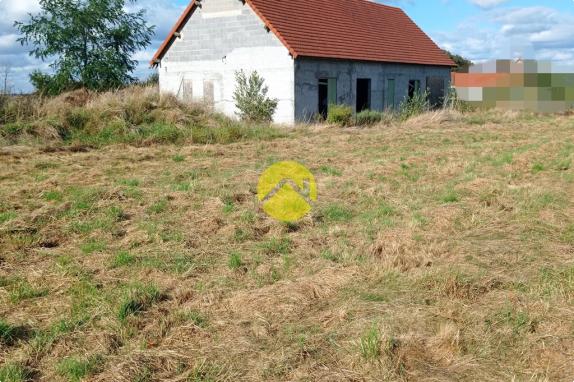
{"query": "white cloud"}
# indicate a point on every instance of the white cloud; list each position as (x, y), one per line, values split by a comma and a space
(485, 4)
(542, 33)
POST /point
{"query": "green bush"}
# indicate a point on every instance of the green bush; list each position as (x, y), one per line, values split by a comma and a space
(368, 117)
(251, 99)
(341, 115)
(416, 105)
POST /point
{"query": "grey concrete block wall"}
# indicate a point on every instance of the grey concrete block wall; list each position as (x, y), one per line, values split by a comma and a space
(308, 71)
(217, 28)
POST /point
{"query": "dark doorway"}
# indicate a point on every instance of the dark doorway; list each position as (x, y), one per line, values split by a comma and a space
(435, 89)
(414, 88)
(363, 94)
(323, 97)
(327, 94)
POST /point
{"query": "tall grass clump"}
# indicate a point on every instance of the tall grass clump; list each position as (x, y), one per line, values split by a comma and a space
(414, 106)
(136, 115)
(369, 117)
(341, 115)
(370, 344)
(138, 299)
(14, 372)
(228, 131)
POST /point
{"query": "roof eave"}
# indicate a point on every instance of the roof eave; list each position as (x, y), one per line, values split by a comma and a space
(156, 60)
(329, 57)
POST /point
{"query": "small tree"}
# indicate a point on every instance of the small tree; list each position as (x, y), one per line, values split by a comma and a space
(251, 99)
(462, 64)
(90, 43)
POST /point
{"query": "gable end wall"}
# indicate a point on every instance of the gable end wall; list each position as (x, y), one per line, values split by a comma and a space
(221, 37)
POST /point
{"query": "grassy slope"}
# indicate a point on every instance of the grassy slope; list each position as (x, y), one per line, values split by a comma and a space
(441, 252)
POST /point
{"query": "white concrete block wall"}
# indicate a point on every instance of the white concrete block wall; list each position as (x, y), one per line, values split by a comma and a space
(222, 37)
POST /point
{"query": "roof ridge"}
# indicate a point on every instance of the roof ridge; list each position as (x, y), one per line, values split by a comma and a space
(364, 30)
(375, 2)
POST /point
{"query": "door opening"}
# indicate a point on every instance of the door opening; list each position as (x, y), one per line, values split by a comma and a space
(436, 91)
(363, 94)
(414, 88)
(327, 95)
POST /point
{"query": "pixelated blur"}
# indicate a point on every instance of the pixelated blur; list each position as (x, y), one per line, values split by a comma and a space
(516, 85)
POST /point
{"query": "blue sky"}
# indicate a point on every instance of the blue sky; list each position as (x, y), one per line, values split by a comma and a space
(478, 29)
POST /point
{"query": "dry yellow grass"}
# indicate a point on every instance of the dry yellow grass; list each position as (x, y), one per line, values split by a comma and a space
(440, 249)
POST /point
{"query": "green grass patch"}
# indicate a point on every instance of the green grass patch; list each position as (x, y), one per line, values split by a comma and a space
(44, 339)
(228, 207)
(82, 200)
(449, 196)
(168, 262)
(233, 131)
(556, 282)
(370, 344)
(178, 158)
(123, 259)
(518, 321)
(563, 164)
(194, 317)
(76, 369)
(85, 226)
(331, 171)
(14, 372)
(276, 246)
(373, 297)
(182, 186)
(130, 182)
(158, 207)
(537, 167)
(567, 235)
(9, 334)
(23, 290)
(381, 212)
(6, 216)
(241, 235)
(337, 213)
(331, 256)
(92, 246)
(138, 299)
(53, 196)
(502, 159)
(234, 261)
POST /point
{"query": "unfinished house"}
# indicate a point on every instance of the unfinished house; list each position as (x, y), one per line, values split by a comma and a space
(311, 53)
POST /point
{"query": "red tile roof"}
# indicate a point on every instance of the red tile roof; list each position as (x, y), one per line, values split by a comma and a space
(344, 29)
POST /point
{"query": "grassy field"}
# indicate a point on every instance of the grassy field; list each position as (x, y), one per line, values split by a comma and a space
(440, 249)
